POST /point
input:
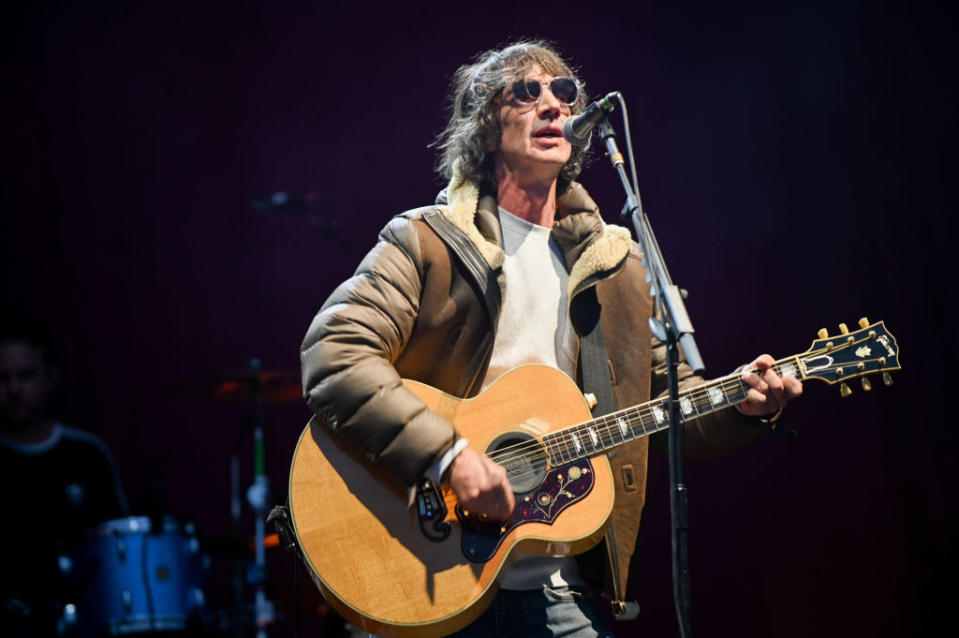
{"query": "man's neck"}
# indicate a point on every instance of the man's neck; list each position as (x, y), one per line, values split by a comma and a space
(531, 199)
(29, 433)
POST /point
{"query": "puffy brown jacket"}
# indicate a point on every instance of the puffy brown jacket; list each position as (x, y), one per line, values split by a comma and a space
(424, 303)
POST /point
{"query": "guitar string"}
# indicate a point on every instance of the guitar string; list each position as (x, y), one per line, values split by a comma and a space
(604, 430)
(694, 397)
(556, 447)
(537, 461)
(604, 426)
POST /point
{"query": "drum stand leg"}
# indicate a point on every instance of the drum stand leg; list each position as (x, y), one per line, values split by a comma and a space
(258, 496)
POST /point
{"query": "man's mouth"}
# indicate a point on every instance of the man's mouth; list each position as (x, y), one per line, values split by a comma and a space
(548, 132)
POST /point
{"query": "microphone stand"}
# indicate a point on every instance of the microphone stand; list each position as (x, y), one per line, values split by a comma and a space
(670, 324)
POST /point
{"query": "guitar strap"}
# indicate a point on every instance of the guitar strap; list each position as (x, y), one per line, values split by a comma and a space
(593, 363)
(594, 377)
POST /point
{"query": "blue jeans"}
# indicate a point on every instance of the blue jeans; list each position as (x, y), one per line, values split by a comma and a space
(548, 613)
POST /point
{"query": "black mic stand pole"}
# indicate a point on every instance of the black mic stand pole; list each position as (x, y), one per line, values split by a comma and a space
(671, 324)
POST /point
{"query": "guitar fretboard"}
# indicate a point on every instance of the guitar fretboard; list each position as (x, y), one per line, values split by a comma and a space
(606, 432)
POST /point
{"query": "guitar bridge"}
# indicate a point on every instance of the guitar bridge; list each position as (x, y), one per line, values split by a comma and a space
(431, 512)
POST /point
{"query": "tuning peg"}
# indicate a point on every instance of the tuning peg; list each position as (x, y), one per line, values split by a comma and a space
(843, 328)
(864, 322)
(823, 333)
(844, 390)
(887, 378)
(866, 384)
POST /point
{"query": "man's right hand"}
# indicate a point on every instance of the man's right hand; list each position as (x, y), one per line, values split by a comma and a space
(481, 485)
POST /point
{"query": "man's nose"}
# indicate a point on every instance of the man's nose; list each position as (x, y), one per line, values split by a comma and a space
(549, 106)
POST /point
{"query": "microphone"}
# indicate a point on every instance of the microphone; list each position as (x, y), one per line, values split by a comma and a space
(578, 128)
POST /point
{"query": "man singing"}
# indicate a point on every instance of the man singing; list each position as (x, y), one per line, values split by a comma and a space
(512, 265)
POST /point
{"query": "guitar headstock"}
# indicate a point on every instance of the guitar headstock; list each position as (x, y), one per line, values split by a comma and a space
(848, 355)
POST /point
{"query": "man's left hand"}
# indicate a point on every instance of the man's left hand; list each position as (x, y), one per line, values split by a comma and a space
(768, 393)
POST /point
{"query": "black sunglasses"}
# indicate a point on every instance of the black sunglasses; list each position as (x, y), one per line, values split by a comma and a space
(566, 90)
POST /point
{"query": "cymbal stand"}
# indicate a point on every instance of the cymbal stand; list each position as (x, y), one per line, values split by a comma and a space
(258, 495)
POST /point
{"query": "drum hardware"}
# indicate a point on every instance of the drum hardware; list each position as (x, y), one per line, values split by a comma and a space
(257, 387)
(131, 577)
(258, 496)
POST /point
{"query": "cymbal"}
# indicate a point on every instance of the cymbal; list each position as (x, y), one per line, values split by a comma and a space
(243, 386)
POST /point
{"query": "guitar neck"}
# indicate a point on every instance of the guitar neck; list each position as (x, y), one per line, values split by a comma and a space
(614, 429)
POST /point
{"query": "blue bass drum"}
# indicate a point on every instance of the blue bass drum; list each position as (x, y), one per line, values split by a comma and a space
(133, 579)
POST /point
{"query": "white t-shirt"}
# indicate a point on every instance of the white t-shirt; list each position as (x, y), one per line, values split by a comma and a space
(534, 327)
(534, 324)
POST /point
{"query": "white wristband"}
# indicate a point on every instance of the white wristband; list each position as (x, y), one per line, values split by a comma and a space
(435, 473)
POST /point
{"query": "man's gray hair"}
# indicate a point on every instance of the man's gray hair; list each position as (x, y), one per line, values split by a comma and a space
(473, 132)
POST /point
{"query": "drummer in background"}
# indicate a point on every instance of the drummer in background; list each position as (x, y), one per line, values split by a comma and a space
(55, 483)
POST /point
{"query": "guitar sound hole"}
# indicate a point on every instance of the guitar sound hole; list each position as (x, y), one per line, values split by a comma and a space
(523, 457)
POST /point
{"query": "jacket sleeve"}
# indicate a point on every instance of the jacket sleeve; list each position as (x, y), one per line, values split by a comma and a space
(347, 360)
(709, 435)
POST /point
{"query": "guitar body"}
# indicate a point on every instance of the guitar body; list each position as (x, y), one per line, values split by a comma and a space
(391, 570)
(428, 570)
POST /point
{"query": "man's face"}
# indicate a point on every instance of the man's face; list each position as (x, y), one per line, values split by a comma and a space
(25, 383)
(532, 140)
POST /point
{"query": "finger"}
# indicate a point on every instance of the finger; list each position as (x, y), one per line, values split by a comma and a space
(499, 504)
(774, 381)
(509, 503)
(755, 398)
(753, 380)
(793, 387)
(763, 362)
(506, 500)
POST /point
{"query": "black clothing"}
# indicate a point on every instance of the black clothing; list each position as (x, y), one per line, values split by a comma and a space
(51, 492)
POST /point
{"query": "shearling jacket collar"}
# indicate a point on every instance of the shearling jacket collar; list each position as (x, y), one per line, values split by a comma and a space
(590, 247)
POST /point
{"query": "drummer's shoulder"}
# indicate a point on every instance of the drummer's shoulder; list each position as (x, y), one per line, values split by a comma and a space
(93, 446)
(72, 434)
(85, 443)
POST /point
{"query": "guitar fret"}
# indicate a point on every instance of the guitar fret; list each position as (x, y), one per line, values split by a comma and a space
(607, 434)
(641, 420)
(567, 451)
(587, 439)
(701, 402)
(552, 449)
(560, 454)
(611, 430)
(579, 446)
(593, 437)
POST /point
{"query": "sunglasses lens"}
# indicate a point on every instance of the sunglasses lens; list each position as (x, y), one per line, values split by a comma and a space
(526, 92)
(564, 89)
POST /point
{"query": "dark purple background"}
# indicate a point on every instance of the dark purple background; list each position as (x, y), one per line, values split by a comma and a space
(793, 157)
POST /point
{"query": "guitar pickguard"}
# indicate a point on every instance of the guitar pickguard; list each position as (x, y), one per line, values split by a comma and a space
(562, 486)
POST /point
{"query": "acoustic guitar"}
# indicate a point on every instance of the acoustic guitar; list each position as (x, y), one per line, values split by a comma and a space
(431, 568)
